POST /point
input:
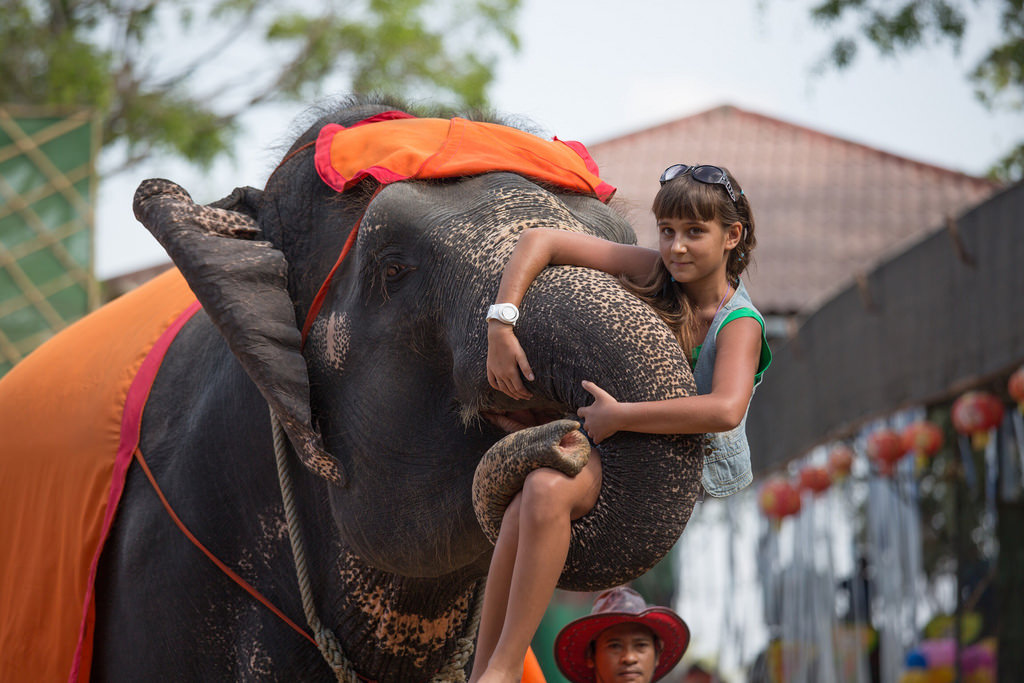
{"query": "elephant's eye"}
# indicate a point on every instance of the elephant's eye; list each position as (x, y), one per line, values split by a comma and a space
(388, 271)
(394, 270)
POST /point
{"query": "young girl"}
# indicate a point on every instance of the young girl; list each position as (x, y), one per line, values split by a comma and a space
(706, 234)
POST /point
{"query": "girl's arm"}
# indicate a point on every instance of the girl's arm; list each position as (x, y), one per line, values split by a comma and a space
(538, 248)
(738, 351)
(541, 247)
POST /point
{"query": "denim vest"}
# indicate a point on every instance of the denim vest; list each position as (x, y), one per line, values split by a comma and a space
(727, 458)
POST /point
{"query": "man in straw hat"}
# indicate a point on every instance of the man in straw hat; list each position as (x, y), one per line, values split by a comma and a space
(622, 639)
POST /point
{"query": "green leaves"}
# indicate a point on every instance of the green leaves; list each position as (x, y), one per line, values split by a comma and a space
(1010, 167)
(421, 48)
(844, 51)
(155, 68)
(164, 122)
(893, 27)
(897, 27)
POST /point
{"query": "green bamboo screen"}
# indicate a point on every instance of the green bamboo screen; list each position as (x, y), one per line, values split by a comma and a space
(47, 193)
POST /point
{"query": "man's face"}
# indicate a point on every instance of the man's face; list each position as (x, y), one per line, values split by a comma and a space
(624, 653)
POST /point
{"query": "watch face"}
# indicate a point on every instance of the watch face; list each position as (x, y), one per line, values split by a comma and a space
(506, 313)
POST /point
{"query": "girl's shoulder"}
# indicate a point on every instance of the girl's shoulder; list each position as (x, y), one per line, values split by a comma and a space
(744, 312)
(765, 357)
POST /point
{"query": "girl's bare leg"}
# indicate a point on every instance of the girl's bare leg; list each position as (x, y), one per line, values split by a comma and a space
(548, 502)
(499, 578)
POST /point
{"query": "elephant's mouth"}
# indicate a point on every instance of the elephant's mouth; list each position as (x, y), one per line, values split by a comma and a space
(516, 420)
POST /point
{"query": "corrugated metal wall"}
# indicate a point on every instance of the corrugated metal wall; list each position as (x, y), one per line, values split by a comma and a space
(945, 315)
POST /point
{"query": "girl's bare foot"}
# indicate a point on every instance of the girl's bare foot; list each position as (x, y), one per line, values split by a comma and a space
(492, 675)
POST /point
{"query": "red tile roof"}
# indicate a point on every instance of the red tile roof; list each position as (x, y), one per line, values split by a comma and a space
(825, 208)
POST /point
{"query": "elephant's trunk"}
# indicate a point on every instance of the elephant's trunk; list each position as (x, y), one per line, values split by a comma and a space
(578, 324)
(503, 469)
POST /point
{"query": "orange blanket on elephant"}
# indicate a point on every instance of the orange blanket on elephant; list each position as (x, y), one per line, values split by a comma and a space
(70, 415)
(69, 424)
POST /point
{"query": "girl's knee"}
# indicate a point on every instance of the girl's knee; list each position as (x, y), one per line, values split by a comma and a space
(546, 495)
(544, 482)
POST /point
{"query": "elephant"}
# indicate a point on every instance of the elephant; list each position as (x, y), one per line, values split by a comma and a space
(386, 415)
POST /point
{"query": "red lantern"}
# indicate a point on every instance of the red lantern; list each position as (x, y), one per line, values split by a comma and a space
(778, 498)
(886, 468)
(1016, 387)
(791, 501)
(840, 461)
(923, 438)
(815, 479)
(975, 413)
(885, 448)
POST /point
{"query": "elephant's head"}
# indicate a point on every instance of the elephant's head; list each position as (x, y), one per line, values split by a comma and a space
(388, 399)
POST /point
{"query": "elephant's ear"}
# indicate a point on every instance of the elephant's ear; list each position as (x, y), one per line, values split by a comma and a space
(244, 200)
(241, 281)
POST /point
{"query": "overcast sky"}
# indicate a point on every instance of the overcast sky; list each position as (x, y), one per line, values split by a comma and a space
(592, 70)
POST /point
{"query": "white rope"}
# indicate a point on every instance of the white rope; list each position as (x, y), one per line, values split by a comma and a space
(454, 671)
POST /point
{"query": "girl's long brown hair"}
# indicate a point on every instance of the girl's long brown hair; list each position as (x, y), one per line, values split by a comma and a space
(686, 198)
(666, 297)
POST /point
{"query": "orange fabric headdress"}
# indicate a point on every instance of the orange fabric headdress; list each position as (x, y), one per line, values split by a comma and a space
(400, 147)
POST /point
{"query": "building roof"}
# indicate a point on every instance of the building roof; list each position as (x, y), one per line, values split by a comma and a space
(826, 209)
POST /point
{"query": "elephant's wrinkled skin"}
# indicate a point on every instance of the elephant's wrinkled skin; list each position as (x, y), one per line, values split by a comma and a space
(398, 391)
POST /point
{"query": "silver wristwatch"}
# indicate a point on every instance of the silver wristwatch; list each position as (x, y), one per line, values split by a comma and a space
(505, 313)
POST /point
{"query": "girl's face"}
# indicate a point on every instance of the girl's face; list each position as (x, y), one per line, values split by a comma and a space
(695, 251)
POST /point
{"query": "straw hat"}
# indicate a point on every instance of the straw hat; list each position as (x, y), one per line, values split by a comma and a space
(612, 607)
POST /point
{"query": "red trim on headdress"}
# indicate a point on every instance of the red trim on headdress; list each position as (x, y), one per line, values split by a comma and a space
(392, 115)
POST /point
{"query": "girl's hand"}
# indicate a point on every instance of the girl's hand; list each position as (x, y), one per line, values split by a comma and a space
(600, 418)
(505, 358)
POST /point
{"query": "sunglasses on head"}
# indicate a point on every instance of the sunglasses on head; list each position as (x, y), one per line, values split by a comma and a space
(710, 175)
